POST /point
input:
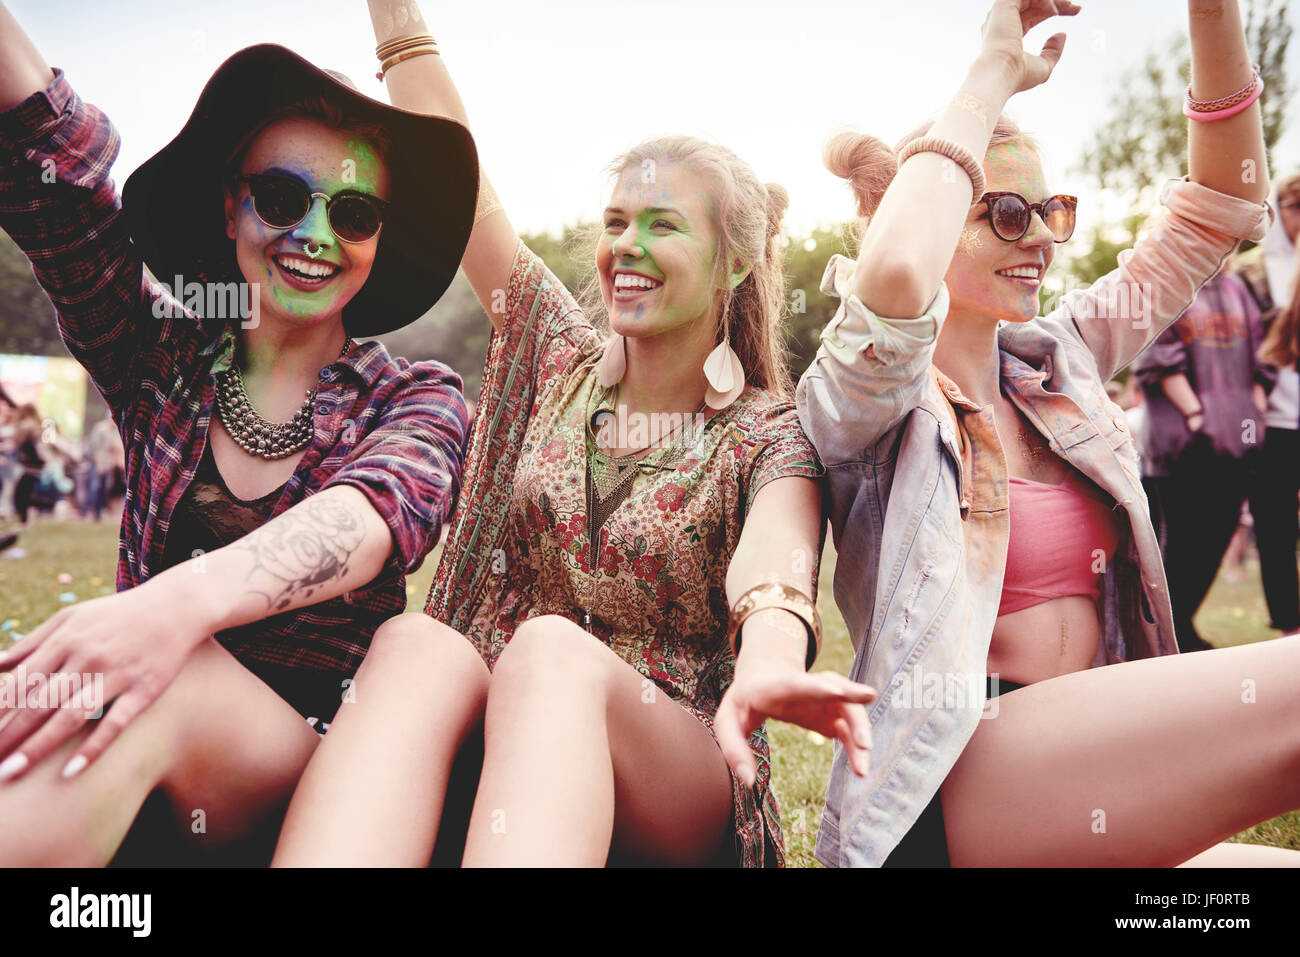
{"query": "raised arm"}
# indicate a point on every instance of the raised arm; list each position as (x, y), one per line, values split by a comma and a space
(59, 205)
(1221, 202)
(23, 71)
(422, 84)
(874, 358)
(912, 236)
(1228, 154)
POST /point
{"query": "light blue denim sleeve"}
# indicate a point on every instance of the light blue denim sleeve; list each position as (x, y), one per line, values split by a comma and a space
(868, 373)
(1154, 283)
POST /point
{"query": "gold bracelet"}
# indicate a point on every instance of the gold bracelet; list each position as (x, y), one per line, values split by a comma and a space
(417, 43)
(394, 60)
(389, 47)
(777, 595)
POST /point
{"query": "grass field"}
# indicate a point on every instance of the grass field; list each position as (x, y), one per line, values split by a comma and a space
(73, 561)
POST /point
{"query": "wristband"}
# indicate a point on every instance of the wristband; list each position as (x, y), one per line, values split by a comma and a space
(777, 595)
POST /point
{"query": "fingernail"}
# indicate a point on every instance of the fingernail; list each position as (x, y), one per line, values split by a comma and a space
(74, 766)
(12, 765)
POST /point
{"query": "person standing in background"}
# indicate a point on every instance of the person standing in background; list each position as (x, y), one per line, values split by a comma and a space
(106, 455)
(8, 468)
(1269, 272)
(1277, 480)
(29, 459)
(1206, 392)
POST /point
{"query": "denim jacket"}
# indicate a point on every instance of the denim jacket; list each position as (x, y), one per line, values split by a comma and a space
(921, 559)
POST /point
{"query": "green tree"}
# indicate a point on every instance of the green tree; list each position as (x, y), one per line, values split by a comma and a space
(808, 309)
(27, 324)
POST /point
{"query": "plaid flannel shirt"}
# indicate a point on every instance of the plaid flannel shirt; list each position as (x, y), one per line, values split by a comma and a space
(392, 429)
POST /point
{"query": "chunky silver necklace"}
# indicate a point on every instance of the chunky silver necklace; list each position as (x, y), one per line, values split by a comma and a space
(256, 435)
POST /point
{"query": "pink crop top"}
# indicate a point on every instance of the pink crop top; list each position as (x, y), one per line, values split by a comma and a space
(1056, 532)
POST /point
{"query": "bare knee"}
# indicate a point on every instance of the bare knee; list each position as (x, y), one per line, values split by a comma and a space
(549, 652)
(413, 657)
(416, 642)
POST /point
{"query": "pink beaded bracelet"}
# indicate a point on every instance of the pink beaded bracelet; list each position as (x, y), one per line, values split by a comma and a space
(1209, 116)
(1223, 102)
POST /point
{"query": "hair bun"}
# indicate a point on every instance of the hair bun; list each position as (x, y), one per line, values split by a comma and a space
(867, 162)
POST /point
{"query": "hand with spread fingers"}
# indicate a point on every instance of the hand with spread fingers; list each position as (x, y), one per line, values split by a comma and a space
(770, 683)
(109, 658)
(1004, 35)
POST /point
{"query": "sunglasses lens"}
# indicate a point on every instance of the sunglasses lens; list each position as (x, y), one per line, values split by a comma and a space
(1009, 216)
(354, 219)
(280, 202)
(1059, 216)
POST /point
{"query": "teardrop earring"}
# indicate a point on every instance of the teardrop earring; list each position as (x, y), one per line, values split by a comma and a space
(724, 373)
(613, 364)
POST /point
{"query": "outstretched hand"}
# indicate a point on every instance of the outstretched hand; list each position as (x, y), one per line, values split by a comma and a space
(112, 656)
(1004, 34)
(825, 702)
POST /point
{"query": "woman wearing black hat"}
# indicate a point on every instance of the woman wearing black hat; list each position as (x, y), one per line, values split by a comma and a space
(281, 479)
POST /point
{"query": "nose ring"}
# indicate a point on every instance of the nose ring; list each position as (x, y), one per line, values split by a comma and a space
(313, 250)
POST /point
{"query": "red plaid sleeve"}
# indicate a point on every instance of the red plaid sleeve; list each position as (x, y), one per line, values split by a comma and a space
(59, 205)
(409, 464)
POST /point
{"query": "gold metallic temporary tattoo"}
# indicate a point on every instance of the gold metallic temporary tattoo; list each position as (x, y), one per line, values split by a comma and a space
(488, 201)
(973, 105)
(970, 240)
(1064, 635)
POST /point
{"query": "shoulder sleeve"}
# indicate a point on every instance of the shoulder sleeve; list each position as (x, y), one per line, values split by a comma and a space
(779, 448)
(1158, 279)
(59, 205)
(869, 371)
(543, 335)
(543, 321)
(409, 464)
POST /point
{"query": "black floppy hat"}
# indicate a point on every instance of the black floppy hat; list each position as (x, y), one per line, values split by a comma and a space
(173, 202)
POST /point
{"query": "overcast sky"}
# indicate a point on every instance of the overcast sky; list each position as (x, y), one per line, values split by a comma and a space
(556, 89)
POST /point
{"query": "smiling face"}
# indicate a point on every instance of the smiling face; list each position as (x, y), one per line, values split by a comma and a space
(656, 255)
(991, 277)
(295, 287)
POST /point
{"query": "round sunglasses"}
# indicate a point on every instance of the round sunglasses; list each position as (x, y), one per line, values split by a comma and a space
(283, 201)
(1010, 215)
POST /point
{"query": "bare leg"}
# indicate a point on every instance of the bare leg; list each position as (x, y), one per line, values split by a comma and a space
(582, 751)
(1147, 763)
(373, 793)
(1244, 855)
(223, 746)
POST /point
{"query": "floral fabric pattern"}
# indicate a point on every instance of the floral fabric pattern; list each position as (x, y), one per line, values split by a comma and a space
(655, 588)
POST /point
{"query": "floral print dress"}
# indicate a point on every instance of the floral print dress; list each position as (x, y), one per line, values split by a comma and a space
(654, 587)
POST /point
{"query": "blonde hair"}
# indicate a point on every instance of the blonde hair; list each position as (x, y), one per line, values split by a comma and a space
(869, 164)
(747, 215)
